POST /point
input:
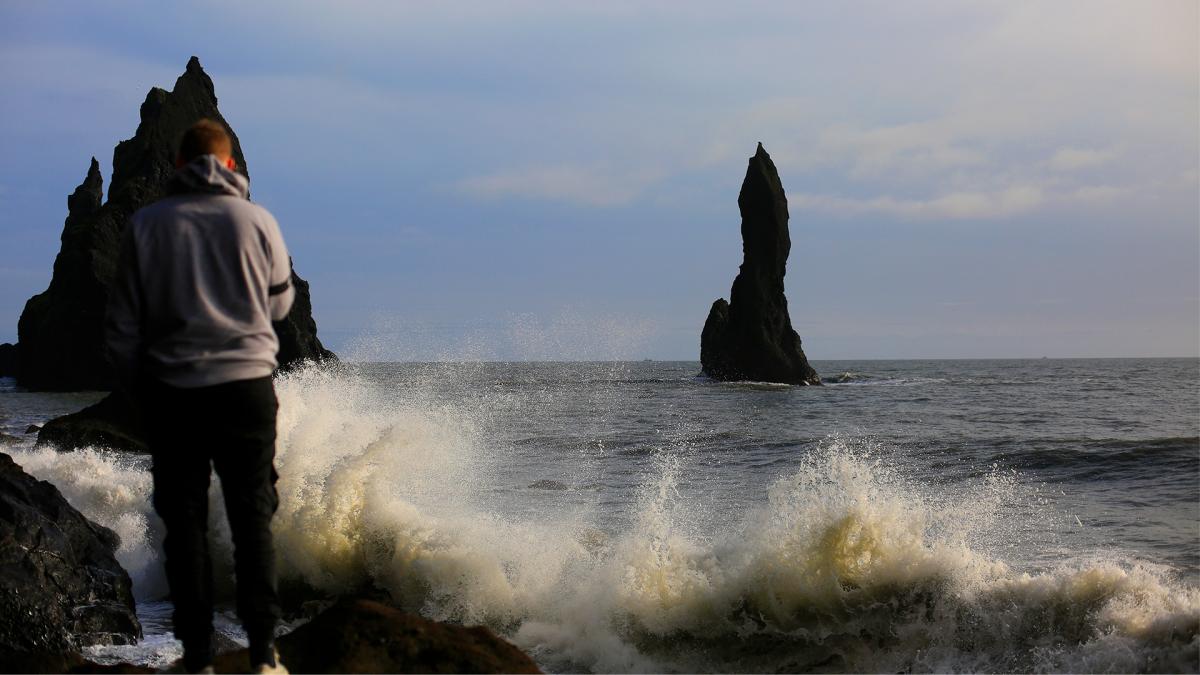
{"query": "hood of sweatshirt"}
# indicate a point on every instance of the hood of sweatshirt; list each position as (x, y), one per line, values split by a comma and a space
(208, 175)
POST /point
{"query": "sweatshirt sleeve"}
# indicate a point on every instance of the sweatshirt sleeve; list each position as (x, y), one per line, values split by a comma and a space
(281, 291)
(123, 315)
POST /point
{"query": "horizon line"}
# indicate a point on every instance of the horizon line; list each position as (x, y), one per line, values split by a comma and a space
(697, 361)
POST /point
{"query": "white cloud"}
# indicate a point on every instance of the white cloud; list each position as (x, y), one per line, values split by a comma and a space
(921, 147)
(589, 186)
(1097, 194)
(955, 205)
(1070, 159)
(973, 204)
(1153, 38)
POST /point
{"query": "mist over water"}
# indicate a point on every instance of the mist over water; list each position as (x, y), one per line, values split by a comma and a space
(928, 516)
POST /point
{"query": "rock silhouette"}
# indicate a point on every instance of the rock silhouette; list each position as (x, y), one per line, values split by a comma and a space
(8, 360)
(114, 422)
(60, 333)
(751, 336)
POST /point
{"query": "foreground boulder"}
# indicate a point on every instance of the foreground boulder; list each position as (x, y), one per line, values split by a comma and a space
(60, 585)
(363, 636)
(113, 423)
(751, 336)
(61, 330)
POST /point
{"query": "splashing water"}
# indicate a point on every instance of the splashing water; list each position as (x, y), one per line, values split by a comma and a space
(848, 564)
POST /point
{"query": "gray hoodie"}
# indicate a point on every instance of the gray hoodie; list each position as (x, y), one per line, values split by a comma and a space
(202, 274)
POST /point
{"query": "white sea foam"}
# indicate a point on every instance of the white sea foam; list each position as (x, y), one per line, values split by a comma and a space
(113, 490)
(847, 565)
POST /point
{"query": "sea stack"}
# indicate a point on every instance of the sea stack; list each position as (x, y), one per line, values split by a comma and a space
(8, 360)
(61, 331)
(751, 336)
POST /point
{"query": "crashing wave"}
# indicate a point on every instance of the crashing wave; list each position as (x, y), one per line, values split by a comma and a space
(845, 566)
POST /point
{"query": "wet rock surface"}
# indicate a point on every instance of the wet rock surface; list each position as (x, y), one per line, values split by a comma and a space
(114, 423)
(60, 584)
(364, 636)
(750, 337)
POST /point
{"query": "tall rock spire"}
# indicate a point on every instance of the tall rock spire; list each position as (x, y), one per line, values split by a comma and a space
(751, 336)
(142, 164)
(61, 331)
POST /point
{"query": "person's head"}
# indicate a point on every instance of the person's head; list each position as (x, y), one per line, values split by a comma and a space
(205, 137)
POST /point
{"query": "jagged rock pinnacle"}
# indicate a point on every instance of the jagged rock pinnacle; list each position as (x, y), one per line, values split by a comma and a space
(86, 198)
(61, 332)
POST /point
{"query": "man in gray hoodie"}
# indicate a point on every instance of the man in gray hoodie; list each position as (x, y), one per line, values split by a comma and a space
(202, 274)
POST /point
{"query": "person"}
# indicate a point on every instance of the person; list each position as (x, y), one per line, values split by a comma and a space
(201, 275)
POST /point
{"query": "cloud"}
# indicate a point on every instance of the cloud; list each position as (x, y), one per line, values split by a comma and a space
(1151, 38)
(588, 186)
(955, 205)
(922, 147)
(1070, 159)
(1097, 194)
(974, 204)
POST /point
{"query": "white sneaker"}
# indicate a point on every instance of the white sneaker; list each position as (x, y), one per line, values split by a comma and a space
(276, 668)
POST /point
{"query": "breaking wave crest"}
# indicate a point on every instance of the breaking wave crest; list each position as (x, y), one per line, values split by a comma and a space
(846, 566)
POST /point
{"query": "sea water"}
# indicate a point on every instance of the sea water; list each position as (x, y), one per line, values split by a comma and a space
(1011, 515)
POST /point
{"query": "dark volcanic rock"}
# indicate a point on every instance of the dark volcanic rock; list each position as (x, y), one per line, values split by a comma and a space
(8, 360)
(364, 636)
(60, 586)
(61, 330)
(751, 336)
(298, 331)
(112, 423)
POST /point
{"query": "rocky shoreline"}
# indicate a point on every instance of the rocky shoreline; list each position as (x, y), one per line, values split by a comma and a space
(361, 635)
(62, 589)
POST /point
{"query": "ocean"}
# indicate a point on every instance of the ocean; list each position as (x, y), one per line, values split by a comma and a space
(976, 515)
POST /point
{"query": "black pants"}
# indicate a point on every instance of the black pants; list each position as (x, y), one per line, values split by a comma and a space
(230, 427)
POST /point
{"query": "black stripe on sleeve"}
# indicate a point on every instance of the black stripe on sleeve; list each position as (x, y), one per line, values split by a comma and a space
(279, 288)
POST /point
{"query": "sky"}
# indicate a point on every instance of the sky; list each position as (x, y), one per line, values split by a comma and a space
(520, 180)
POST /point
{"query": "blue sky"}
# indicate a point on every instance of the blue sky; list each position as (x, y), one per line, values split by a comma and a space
(559, 180)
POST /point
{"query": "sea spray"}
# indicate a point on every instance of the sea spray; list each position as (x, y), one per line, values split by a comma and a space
(847, 563)
(114, 490)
